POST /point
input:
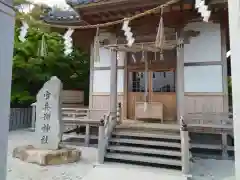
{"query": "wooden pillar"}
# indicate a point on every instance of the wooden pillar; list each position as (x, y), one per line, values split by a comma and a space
(91, 77)
(113, 84)
(6, 52)
(180, 77)
(234, 29)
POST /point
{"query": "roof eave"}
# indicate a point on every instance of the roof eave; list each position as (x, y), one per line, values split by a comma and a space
(93, 4)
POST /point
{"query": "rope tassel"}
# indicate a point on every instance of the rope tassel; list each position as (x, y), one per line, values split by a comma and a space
(160, 33)
(96, 47)
(23, 32)
(42, 49)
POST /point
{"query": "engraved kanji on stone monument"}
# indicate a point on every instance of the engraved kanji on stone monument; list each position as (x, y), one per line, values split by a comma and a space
(48, 116)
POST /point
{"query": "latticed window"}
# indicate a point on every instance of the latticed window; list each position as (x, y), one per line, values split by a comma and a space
(160, 81)
(163, 81)
(136, 81)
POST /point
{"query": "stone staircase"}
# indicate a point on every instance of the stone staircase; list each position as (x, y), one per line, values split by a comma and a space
(153, 146)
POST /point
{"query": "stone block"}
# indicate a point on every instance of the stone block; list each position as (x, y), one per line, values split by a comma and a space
(45, 157)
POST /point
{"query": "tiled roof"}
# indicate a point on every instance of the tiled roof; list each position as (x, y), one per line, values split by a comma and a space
(62, 16)
(82, 2)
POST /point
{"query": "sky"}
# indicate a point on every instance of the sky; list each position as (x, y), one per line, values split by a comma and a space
(58, 3)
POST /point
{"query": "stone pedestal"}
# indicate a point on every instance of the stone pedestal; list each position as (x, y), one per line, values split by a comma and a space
(45, 157)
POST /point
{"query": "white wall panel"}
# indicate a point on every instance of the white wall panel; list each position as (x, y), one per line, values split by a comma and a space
(105, 58)
(203, 78)
(101, 81)
(206, 46)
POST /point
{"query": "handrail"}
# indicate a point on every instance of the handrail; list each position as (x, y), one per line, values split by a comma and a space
(106, 127)
(210, 118)
(87, 113)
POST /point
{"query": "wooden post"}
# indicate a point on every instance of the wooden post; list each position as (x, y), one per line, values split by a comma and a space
(87, 135)
(224, 146)
(180, 105)
(113, 84)
(33, 115)
(119, 113)
(234, 28)
(101, 142)
(92, 50)
(180, 77)
(185, 147)
(7, 17)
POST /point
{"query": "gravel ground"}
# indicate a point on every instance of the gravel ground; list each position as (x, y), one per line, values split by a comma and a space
(18, 170)
(86, 169)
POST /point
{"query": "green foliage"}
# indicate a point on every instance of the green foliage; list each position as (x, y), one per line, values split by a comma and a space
(30, 71)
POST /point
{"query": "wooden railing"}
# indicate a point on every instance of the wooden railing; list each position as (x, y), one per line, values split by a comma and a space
(106, 127)
(210, 118)
(73, 117)
(185, 146)
(212, 123)
(79, 114)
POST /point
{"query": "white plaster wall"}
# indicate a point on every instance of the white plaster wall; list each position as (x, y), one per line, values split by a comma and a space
(101, 78)
(101, 81)
(105, 58)
(205, 47)
(203, 78)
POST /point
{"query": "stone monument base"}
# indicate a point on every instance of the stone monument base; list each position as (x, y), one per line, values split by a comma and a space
(47, 157)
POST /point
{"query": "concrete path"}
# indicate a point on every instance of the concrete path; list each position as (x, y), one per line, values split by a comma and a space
(86, 169)
(124, 172)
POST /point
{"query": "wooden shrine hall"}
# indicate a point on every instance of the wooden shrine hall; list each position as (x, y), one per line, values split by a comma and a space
(159, 70)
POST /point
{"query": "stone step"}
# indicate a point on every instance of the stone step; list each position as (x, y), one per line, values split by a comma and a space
(147, 135)
(145, 159)
(145, 150)
(146, 142)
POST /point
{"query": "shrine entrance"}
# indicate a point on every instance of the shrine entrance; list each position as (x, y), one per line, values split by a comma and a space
(151, 86)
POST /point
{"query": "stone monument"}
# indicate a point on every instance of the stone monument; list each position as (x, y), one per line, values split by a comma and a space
(46, 149)
(48, 116)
